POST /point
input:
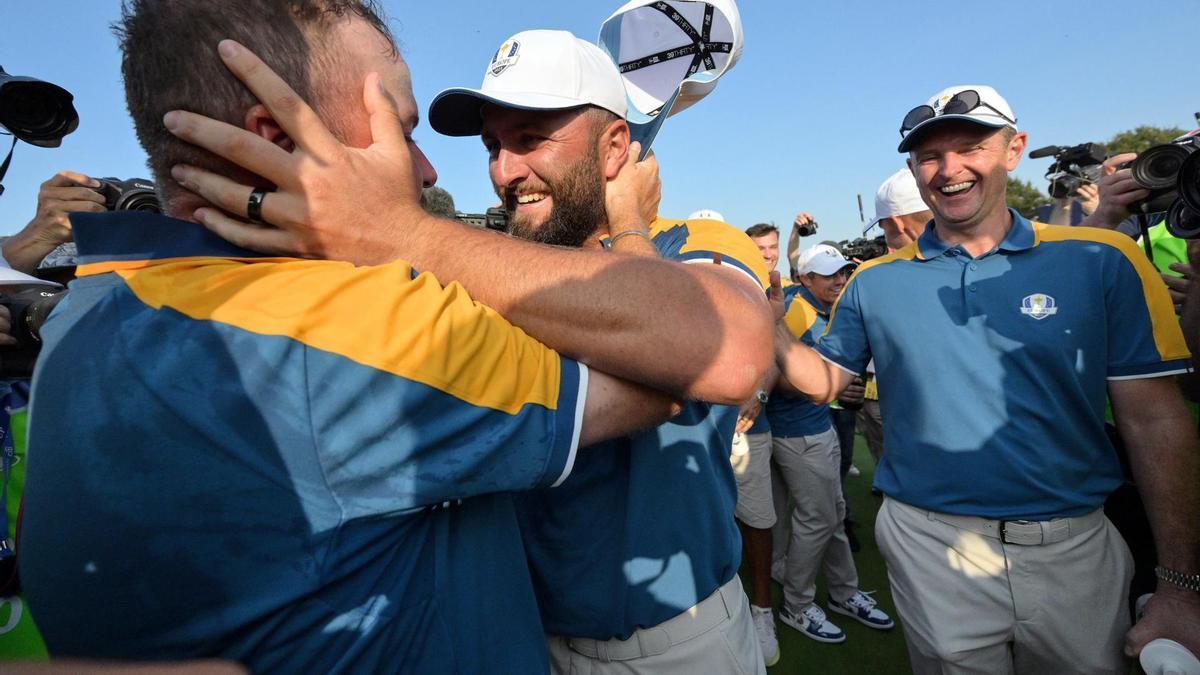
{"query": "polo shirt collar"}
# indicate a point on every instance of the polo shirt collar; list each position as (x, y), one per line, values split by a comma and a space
(144, 236)
(804, 293)
(1019, 238)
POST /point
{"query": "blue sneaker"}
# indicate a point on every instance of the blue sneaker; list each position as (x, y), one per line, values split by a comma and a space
(861, 606)
(811, 623)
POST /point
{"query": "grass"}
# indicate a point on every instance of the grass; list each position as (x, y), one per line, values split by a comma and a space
(865, 650)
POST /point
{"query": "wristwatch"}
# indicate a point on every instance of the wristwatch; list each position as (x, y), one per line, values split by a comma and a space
(762, 396)
(1189, 581)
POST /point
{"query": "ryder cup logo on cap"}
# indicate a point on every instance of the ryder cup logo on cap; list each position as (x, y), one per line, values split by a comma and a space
(506, 56)
(533, 70)
(898, 196)
(822, 259)
(976, 103)
(671, 54)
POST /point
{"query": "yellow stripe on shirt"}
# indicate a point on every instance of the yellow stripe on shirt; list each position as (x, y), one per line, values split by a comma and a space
(376, 316)
(1168, 338)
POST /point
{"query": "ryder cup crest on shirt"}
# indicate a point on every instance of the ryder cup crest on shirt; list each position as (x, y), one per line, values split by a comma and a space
(1039, 306)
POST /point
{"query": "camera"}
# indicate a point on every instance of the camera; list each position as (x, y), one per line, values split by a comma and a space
(1171, 172)
(29, 308)
(36, 112)
(864, 249)
(135, 194)
(1073, 167)
(496, 218)
(808, 229)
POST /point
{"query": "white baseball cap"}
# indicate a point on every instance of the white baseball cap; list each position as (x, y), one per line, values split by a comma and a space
(707, 214)
(822, 259)
(977, 103)
(670, 54)
(898, 196)
(533, 70)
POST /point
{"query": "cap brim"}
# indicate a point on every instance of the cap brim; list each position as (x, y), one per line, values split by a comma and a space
(457, 112)
(870, 224)
(909, 138)
(831, 269)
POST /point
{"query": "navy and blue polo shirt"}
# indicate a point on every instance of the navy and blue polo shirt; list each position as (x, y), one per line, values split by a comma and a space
(643, 529)
(794, 416)
(993, 370)
(304, 466)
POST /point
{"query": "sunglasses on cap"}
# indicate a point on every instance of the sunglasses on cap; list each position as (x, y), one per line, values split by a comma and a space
(960, 104)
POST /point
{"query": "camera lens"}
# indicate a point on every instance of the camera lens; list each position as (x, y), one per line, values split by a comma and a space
(1158, 167)
(1189, 182)
(1183, 221)
(140, 200)
(37, 112)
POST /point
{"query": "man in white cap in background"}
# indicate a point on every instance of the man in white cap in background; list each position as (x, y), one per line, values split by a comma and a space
(899, 210)
(902, 215)
(806, 450)
(998, 552)
(634, 557)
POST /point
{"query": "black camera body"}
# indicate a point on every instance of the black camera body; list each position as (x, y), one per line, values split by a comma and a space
(1073, 167)
(808, 229)
(29, 308)
(496, 218)
(1171, 172)
(863, 249)
(135, 194)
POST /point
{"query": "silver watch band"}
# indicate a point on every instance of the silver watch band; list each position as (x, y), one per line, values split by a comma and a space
(1189, 581)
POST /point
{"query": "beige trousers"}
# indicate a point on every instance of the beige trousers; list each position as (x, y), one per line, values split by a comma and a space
(973, 604)
(715, 636)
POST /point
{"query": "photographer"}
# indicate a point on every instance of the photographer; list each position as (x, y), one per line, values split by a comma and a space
(1117, 191)
(66, 192)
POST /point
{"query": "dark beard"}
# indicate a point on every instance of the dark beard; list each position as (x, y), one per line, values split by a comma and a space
(578, 207)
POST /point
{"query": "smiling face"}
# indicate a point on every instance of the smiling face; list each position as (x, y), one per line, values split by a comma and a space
(768, 246)
(962, 171)
(548, 170)
(826, 287)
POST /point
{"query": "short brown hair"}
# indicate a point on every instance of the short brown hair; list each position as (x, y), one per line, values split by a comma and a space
(169, 62)
(761, 230)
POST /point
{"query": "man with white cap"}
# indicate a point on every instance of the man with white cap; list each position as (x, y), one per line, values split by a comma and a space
(999, 554)
(806, 450)
(634, 558)
(899, 210)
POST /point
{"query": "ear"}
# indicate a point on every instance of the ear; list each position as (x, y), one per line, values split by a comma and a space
(259, 120)
(614, 148)
(1016, 148)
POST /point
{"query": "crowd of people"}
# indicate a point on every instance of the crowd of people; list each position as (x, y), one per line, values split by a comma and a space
(292, 423)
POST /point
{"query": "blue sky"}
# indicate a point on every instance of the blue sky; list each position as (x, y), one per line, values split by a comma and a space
(807, 120)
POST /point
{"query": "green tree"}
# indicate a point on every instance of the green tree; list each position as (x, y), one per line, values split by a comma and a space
(1024, 197)
(1142, 138)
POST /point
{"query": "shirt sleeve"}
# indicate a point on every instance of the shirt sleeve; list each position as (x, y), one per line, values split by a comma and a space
(711, 241)
(845, 343)
(1144, 337)
(432, 396)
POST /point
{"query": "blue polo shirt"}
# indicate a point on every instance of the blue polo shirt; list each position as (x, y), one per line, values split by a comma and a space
(993, 370)
(794, 416)
(643, 529)
(304, 466)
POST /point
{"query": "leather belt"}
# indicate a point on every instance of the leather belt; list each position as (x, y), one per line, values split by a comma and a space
(1024, 532)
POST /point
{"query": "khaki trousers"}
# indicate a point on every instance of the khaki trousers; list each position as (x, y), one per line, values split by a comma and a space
(809, 467)
(973, 604)
(715, 636)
